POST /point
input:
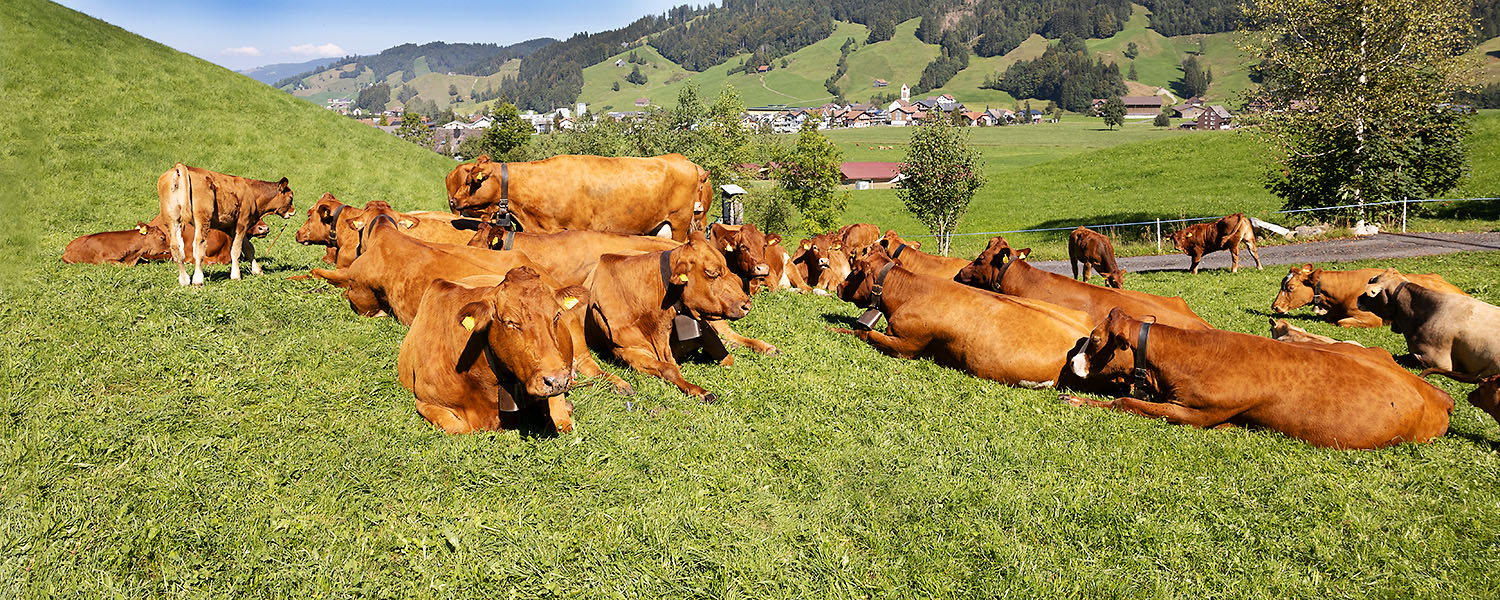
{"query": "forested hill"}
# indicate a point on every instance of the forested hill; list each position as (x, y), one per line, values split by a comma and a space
(441, 57)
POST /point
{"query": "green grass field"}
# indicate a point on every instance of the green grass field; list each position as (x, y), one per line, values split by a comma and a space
(250, 438)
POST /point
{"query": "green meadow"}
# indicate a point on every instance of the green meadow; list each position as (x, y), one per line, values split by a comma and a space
(249, 438)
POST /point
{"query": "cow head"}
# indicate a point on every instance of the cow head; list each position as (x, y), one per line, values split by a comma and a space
(812, 254)
(891, 241)
(1114, 279)
(744, 249)
(1380, 294)
(279, 202)
(519, 321)
(319, 224)
(709, 288)
(1185, 238)
(1109, 353)
(154, 245)
(857, 239)
(353, 220)
(471, 189)
(858, 286)
(1296, 289)
(986, 270)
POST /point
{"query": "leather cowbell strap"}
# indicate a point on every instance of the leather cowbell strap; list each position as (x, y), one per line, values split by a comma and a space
(867, 320)
(1138, 382)
(684, 327)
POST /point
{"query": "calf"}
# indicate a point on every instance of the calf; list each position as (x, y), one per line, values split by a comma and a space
(819, 262)
(209, 200)
(1283, 331)
(744, 249)
(1335, 294)
(394, 271)
(1224, 234)
(484, 348)
(941, 267)
(146, 242)
(1094, 251)
(998, 269)
(156, 246)
(1486, 396)
(1443, 331)
(1332, 395)
(784, 274)
(1015, 341)
(857, 239)
(634, 299)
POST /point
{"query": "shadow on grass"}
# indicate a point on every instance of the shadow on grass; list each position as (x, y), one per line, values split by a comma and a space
(1461, 210)
(838, 320)
(1477, 438)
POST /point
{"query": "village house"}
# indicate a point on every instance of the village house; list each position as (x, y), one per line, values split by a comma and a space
(870, 175)
(1142, 107)
(1215, 117)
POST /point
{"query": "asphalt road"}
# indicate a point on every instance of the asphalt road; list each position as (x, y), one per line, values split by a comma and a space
(1384, 245)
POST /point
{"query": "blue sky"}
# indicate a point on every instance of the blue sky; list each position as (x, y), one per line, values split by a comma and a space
(249, 33)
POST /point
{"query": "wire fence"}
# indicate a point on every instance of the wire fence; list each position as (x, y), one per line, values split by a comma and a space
(1158, 222)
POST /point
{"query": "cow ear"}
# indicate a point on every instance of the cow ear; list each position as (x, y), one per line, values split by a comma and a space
(357, 224)
(408, 221)
(572, 297)
(323, 212)
(283, 184)
(475, 316)
(1307, 268)
(141, 227)
(1003, 255)
(915, 245)
(1023, 253)
(722, 235)
(773, 239)
(483, 159)
(680, 268)
(1116, 322)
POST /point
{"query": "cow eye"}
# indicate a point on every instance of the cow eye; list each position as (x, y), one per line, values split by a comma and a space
(711, 274)
(512, 324)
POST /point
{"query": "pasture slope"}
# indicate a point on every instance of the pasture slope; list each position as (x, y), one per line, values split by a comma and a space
(250, 438)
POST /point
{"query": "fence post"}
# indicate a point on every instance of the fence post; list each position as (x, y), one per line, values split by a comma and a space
(1403, 214)
(1158, 235)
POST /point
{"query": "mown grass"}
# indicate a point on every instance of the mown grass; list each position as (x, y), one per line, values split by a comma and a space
(250, 438)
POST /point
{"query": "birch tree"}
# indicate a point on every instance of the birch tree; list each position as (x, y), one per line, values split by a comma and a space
(1356, 95)
(939, 178)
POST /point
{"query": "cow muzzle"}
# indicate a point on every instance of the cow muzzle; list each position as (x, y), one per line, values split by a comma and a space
(823, 262)
(1080, 365)
(552, 384)
(761, 270)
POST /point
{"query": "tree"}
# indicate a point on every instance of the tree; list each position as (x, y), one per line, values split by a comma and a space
(452, 89)
(1162, 119)
(635, 76)
(939, 178)
(505, 139)
(1131, 51)
(373, 98)
(615, 86)
(1114, 112)
(384, 122)
(1131, 76)
(1194, 80)
(881, 30)
(414, 130)
(1357, 93)
(807, 176)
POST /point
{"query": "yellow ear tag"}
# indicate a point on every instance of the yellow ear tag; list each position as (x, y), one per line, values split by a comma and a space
(728, 248)
(1190, 235)
(141, 228)
(1021, 256)
(480, 177)
(772, 242)
(405, 224)
(357, 224)
(682, 277)
(569, 302)
(468, 323)
(835, 246)
(494, 240)
(1004, 259)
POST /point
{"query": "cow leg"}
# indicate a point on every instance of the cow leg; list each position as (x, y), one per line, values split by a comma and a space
(561, 411)
(1364, 320)
(1197, 258)
(888, 345)
(444, 418)
(721, 327)
(179, 253)
(1234, 257)
(234, 252)
(200, 249)
(1176, 414)
(583, 360)
(1250, 241)
(645, 361)
(248, 249)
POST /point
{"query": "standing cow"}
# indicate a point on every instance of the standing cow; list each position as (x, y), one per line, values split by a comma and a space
(665, 195)
(1224, 234)
(209, 200)
(1094, 251)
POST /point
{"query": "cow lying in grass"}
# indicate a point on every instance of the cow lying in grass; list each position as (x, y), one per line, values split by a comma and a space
(1016, 341)
(147, 242)
(1335, 294)
(1334, 395)
(1451, 332)
(485, 350)
(203, 200)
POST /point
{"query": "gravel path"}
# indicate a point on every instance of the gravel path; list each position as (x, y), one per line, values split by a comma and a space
(1384, 245)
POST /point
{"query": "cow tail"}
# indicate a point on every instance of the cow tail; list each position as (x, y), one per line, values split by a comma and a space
(706, 196)
(180, 200)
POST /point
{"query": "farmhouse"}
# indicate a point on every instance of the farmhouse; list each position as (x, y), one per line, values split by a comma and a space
(870, 175)
(1142, 106)
(1215, 117)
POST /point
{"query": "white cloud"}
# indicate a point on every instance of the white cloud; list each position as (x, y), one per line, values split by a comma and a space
(242, 51)
(325, 50)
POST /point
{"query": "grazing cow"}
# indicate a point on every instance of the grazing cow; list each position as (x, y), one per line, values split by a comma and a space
(941, 267)
(1094, 251)
(209, 200)
(820, 262)
(1224, 234)
(1283, 331)
(395, 270)
(1016, 341)
(666, 195)
(1331, 395)
(744, 249)
(485, 348)
(1443, 331)
(635, 299)
(1486, 396)
(999, 269)
(1335, 294)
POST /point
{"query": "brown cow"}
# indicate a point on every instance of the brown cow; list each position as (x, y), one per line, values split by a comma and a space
(209, 200)
(631, 309)
(1335, 294)
(1332, 395)
(146, 242)
(1012, 340)
(666, 195)
(1486, 396)
(820, 263)
(857, 239)
(941, 267)
(568, 256)
(1094, 251)
(744, 250)
(1224, 234)
(784, 274)
(337, 225)
(998, 270)
(1444, 331)
(155, 246)
(395, 270)
(484, 348)
(1283, 331)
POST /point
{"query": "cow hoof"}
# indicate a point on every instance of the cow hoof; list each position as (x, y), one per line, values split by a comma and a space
(1070, 400)
(728, 360)
(709, 398)
(770, 350)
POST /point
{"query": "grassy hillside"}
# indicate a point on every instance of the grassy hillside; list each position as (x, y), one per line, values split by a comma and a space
(250, 438)
(327, 85)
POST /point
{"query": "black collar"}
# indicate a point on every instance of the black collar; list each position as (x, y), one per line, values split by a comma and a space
(895, 254)
(1318, 298)
(333, 230)
(673, 298)
(1138, 384)
(872, 315)
(1001, 270)
(359, 249)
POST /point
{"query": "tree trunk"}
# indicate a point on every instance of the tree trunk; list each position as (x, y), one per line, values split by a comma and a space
(1359, 117)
